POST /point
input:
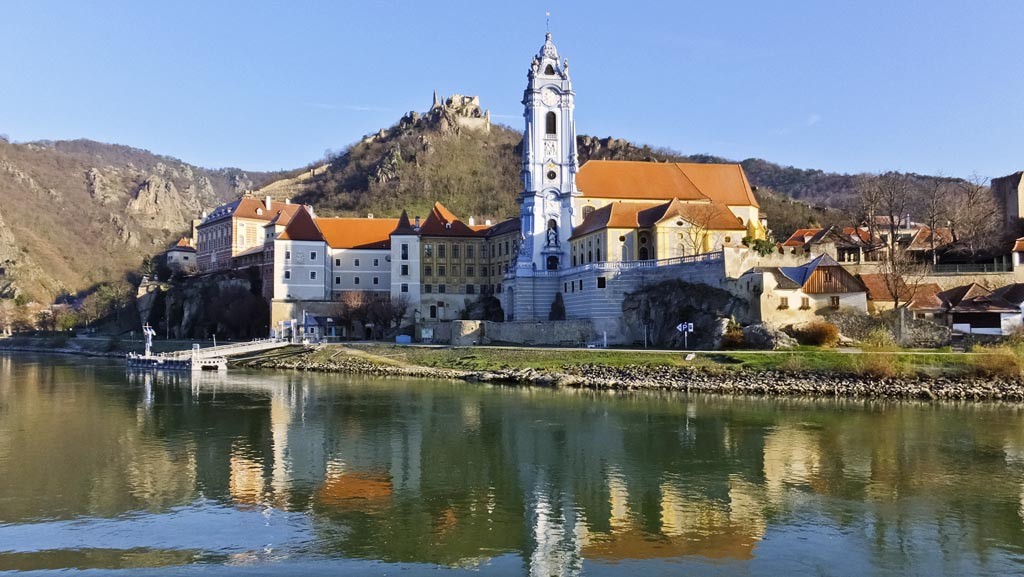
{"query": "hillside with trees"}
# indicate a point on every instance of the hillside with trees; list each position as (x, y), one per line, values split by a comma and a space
(78, 214)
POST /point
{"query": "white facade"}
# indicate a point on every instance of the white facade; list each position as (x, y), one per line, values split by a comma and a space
(405, 271)
(549, 164)
(301, 270)
(358, 269)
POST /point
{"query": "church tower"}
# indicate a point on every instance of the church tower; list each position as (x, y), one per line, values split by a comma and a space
(549, 164)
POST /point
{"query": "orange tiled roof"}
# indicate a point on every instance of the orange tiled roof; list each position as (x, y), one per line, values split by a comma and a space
(723, 183)
(441, 222)
(252, 208)
(922, 238)
(642, 215)
(357, 232)
(302, 227)
(1019, 245)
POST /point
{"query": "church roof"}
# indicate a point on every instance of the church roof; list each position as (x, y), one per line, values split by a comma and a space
(620, 214)
(621, 179)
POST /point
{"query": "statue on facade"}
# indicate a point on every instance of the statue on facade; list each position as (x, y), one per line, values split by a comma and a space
(552, 233)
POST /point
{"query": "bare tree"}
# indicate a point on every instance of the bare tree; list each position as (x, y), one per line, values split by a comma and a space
(974, 216)
(934, 198)
(700, 217)
(902, 275)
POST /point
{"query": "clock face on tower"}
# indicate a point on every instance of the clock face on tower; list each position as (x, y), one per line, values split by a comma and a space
(549, 97)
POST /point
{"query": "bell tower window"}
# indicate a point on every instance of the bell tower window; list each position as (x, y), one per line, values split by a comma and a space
(549, 123)
(549, 70)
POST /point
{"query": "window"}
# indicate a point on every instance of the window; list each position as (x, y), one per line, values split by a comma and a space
(405, 251)
(337, 262)
(428, 250)
(565, 287)
(470, 270)
(581, 285)
(590, 256)
(376, 280)
(355, 280)
(440, 251)
(601, 282)
(784, 303)
(499, 288)
(834, 302)
(312, 255)
(287, 274)
(470, 289)
(470, 251)
(428, 270)
(455, 251)
(428, 288)
(805, 303)
(405, 270)
(440, 270)
(376, 262)
(550, 121)
(598, 254)
(312, 275)
(455, 270)
(405, 287)
(355, 262)
(287, 255)
(506, 247)
(433, 311)
(337, 280)
(442, 288)
(828, 276)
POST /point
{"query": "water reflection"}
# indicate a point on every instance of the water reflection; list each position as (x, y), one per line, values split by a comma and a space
(151, 470)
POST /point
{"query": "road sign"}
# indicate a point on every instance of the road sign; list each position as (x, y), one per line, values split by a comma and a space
(681, 327)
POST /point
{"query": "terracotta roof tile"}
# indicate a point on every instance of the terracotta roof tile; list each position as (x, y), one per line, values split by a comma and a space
(302, 227)
(723, 183)
(441, 222)
(357, 232)
(1019, 245)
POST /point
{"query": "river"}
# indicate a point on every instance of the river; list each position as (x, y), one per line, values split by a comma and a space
(299, 474)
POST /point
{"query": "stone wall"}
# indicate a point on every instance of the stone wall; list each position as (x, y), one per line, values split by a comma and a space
(542, 333)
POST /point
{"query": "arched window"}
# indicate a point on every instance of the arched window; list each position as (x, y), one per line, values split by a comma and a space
(549, 70)
(552, 263)
(549, 123)
(643, 253)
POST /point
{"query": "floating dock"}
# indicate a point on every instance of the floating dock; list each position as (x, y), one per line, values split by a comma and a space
(176, 363)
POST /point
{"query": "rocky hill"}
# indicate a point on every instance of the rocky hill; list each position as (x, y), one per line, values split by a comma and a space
(77, 213)
(453, 153)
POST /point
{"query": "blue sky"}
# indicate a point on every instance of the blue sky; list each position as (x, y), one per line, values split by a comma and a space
(841, 86)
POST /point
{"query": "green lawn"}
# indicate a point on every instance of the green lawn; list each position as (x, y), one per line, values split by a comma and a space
(804, 359)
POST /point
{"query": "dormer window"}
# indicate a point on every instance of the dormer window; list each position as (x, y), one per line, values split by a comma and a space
(259, 212)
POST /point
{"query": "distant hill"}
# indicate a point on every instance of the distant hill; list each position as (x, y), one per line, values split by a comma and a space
(474, 170)
(77, 213)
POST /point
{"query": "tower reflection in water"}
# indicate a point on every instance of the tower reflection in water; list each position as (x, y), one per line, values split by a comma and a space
(459, 475)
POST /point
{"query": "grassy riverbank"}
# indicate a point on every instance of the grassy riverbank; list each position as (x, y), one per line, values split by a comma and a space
(1006, 360)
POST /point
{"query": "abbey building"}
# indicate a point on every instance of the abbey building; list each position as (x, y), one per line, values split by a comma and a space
(585, 237)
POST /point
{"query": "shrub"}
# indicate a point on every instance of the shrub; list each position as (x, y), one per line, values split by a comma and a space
(880, 366)
(879, 338)
(793, 363)
(818, 334)
(733, 338)
(995, 361)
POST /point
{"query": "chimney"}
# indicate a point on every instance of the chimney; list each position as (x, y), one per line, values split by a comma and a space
(287, 201)
(369, 215)
(488, 222)
(472, 221)
(417, 225)
(268, 202)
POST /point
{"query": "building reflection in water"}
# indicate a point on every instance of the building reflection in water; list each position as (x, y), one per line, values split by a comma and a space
(454, 474)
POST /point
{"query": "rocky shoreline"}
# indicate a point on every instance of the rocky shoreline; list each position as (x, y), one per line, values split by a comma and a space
(683, 379)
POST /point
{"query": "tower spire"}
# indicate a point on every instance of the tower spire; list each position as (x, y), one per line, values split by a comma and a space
(547, 22)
